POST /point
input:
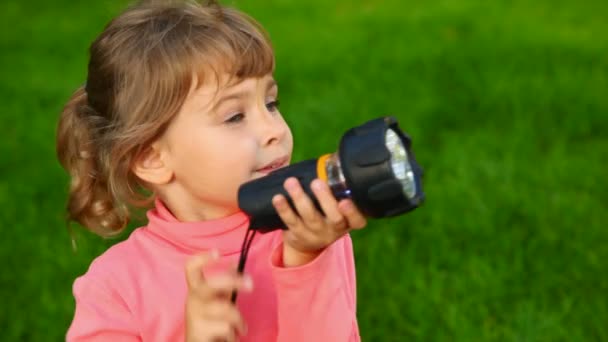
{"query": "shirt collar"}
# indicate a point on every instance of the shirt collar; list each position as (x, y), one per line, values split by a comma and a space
(225, 234)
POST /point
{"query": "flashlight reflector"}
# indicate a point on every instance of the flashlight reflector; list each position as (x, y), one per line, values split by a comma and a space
(400, 164)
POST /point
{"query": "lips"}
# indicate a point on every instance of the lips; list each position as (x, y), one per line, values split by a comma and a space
(273, 165)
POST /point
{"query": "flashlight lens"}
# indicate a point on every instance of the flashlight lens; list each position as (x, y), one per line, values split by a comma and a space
(400, 163)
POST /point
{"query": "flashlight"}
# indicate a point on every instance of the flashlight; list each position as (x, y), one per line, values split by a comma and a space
(374, 166)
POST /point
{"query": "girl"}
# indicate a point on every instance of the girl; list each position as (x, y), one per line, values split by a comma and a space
(179, 109)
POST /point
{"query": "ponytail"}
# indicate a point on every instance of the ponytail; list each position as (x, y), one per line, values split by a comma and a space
(90, 201)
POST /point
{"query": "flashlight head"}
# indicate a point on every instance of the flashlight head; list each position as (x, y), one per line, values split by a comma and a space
(380, 169)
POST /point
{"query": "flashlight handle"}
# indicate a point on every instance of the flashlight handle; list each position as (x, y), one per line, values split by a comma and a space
(255, 197)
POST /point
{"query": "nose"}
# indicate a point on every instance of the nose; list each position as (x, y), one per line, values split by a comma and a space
(271, 127)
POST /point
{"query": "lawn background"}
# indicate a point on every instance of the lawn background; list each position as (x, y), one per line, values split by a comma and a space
(507, 103)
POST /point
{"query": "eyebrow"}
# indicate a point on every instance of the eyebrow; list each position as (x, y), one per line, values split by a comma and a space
(240, 94)
(226, 98)
(272, 83)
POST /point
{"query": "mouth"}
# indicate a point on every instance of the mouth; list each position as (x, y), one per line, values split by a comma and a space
(274, 165)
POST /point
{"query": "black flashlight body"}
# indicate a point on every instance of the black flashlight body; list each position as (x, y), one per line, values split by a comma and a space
(255, 197)
(360, 170)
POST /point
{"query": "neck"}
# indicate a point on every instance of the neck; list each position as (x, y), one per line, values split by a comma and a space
(187, 209)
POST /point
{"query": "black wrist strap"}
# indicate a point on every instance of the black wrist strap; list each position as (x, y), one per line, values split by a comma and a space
(249, 235)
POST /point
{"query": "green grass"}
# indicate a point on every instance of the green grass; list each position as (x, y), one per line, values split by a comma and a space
(506, 102)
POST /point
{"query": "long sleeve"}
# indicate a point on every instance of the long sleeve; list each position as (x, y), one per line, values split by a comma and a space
(317, 301)
(100, 315)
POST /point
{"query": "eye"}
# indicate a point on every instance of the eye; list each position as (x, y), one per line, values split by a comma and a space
(272, 106)
(236, 118)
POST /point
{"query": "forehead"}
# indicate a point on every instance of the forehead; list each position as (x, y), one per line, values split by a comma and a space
(209, 88)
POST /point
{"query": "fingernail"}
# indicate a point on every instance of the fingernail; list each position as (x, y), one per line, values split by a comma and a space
(348, 205)
(276, 200)
(291, 183)
(247, 283)
(316, 184)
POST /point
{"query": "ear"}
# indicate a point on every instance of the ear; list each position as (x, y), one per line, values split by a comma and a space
(151, 167)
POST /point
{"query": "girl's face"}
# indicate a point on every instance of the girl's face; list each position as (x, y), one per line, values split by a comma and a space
(220, 139)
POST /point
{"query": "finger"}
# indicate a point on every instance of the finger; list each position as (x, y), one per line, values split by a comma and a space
(289, 217)
(194, 267)
(222, 286)
(328, 204)
(230, 282)
(355, 218)
(304, 205)
(221, 331)
(227, 312)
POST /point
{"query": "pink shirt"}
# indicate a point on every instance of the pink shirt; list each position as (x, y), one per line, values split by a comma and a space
(137, 289)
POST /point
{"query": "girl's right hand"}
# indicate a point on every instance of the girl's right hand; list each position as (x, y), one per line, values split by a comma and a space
(210, 315)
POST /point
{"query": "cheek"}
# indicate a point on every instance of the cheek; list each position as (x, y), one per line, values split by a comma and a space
(233, 152)
(288, 138)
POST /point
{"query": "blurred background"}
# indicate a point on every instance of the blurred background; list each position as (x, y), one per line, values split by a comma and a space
(507, 104)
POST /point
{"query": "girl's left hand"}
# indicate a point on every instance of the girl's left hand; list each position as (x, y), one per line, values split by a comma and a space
(310, 231)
